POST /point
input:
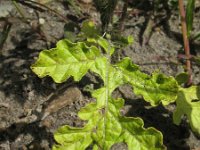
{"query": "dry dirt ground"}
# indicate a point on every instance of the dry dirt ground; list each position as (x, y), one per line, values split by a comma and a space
(24, 97)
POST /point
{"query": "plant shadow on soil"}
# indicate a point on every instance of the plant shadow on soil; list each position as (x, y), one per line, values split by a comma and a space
(17, 79)
(21, 88)
(13, 134)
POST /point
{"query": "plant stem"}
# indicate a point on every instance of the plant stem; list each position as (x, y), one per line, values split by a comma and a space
(186, 41)
(108, 94)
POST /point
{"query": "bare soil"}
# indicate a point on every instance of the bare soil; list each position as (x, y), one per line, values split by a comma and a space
(24, 98)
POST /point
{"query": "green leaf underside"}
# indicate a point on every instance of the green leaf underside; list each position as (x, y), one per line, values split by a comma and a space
(103, 134)
(188, 103)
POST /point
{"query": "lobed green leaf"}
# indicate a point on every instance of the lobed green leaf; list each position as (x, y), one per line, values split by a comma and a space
(155, 89)
(188, 103)
(72, 138)
(89, 30)
(67, 59)
(107, 127)
(182, 78)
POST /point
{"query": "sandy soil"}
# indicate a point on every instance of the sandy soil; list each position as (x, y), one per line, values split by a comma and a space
(24, 97)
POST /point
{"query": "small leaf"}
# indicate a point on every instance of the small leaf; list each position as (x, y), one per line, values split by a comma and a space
(67, 59)
(155, 89)
(90, 30)
(122, 41)
(106, 45)
(182, 78)
(130, 39)
(188, 103)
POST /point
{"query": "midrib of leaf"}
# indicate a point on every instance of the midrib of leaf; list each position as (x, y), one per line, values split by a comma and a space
(107, 92)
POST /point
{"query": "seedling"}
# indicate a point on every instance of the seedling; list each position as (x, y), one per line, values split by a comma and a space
(105, 125)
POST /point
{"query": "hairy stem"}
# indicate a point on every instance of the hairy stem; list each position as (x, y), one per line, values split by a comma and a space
(186, 41)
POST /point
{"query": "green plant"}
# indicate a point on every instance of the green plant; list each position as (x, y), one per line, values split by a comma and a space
(105, 125)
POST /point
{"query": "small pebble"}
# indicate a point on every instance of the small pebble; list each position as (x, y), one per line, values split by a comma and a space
(41, 21)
